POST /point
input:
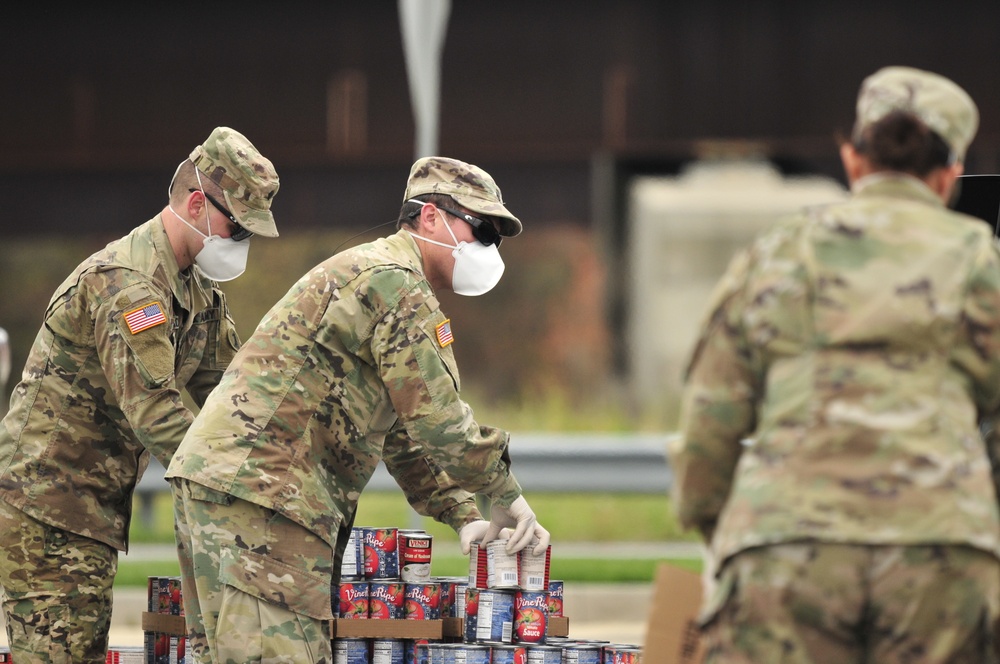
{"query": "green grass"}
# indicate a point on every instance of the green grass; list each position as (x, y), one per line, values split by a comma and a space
(570, 518)
(577, 570)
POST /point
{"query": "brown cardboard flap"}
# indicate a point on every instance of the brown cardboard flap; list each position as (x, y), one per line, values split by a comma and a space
(453, 627)
(672, 634)
(371, 628)
(558, 626)
(163, 623)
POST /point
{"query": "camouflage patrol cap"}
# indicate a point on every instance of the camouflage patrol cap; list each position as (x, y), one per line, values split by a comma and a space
(938, 102)
(247, 178)
(469, 185)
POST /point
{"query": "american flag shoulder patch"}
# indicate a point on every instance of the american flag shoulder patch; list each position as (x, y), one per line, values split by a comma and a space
(145, 317)
(443, 332)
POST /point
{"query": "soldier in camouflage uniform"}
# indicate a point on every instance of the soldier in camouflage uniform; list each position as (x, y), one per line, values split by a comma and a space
(829, 450)
(353, 365)
(130, 328)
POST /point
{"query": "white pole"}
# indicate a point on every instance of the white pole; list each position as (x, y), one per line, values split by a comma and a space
(424, 23)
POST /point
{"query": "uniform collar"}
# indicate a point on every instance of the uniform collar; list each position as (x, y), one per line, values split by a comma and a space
(180, 282)
(896, 185)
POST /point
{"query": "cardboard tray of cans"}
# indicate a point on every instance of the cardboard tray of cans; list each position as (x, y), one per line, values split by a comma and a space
(372, 628)
(163, 623)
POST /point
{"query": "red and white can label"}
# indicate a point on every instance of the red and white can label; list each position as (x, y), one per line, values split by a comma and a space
(386, 599)
(555, 601)
(477, 566)
(423, 601)
(353, 600)
(415, 556)
(501, 567)
(531, 617)
(381, 553)
(533, 571)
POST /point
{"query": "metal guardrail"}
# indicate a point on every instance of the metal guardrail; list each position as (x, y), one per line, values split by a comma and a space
(542, 462)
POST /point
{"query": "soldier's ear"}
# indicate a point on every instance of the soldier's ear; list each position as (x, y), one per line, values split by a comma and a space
(428, 218)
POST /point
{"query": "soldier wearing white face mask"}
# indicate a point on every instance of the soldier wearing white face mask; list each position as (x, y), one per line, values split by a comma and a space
(354, 365)
(133, 325)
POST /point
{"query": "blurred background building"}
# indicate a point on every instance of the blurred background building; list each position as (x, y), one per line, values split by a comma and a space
(640, 141)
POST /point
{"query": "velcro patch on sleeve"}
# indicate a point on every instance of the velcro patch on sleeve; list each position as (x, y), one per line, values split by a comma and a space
(145, 317)
(443, 332)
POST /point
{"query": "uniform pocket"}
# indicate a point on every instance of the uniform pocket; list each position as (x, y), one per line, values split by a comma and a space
(277, 583)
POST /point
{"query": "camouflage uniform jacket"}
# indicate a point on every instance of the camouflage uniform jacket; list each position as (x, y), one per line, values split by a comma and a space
(353, 365)
(835, 390)
(95, 396)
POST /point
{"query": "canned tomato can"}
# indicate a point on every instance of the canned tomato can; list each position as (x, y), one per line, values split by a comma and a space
(386, 599)
(582, 653)
(495, 615)
(555, 599)
(381, 553)
(470, 611)
(501, 567)
(350, 651)
(532, 570)
(543, 654)
(354, 599)
(624, 654)
(415, 556)
(449, 594)
(353, 564)
(477, 566)
(509, 653)
(415, 651)
(531, 617)
(473, 653)
(422, 602)
(387, 651)
(461, 589)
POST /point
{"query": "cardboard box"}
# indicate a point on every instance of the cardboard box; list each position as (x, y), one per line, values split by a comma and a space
(672, 634)
(386, 629)
(558, 626)
(163, 623)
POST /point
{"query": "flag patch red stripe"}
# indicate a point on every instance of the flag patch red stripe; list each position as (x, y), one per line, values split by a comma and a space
(145, 317)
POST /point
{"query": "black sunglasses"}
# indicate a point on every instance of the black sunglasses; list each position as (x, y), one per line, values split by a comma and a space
(482, 230)
(240, 233)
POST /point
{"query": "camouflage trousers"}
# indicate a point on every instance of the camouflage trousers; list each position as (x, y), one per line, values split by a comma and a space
(256, 586)
(56, 591)
(821, 603)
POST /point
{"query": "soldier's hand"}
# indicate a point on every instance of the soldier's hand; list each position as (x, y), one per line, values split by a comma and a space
(521, 518)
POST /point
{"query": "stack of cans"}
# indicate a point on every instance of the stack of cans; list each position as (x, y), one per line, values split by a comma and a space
(506, 602)
(163, 595)
(386, 574)
(508, 595)
(129, 655)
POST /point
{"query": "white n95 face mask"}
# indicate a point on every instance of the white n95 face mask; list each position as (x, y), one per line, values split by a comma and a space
(220, 258)
(478, 267)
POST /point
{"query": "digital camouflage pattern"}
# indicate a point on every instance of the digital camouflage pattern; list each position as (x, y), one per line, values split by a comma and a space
(470, 185)
(266, 571)
(346, 369)
(247, 178)
(836, 386)
(95, 398)
(56, 591)
(830, 603)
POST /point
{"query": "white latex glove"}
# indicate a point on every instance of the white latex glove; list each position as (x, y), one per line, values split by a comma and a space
(526, 528)
(474, 531)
